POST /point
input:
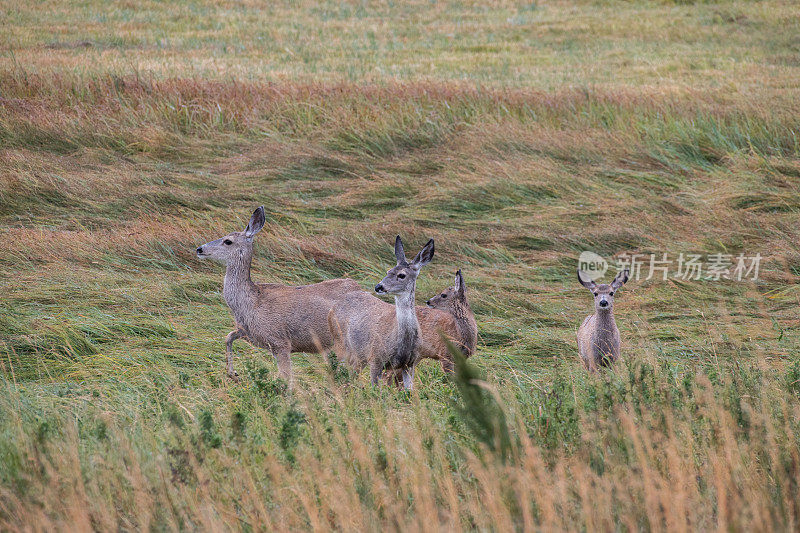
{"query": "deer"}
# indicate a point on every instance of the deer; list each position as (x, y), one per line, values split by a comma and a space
(285, 319)
(371, 332)
(449, 314)
(457, 323)
(598, 336)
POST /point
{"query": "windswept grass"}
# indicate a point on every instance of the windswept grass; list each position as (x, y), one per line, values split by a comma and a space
(517, 136)
(652, 446)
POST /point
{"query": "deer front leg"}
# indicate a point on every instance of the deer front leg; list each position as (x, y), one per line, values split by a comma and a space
(232, 336)
(447, 365)
(591, 362)
(393, 377)
(408, 378)
(375, 372)
(282, 355)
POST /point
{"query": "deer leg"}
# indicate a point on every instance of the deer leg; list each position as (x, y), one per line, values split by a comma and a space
(282, 355)
(408, 378)
(392, 377)
(447, 365)
(232, 336)
(375, 371)
(591, 363)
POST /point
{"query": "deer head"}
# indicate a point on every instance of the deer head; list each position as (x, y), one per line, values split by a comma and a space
(403, 277)
(603, 293)
(451, 295)
(236, 244)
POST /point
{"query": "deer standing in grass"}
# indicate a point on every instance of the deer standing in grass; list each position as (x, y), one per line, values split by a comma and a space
(374, 333)
(283, 318)
(447, 313)
(598, 336)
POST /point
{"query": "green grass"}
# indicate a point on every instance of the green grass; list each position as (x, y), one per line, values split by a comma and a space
(515, 134)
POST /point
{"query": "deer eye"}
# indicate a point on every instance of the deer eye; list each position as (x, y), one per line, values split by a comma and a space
(227, 242)
(611, 294)
(401, 276)
(444, 295)
(596, 293)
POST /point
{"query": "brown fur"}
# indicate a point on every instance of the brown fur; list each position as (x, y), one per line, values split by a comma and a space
(447, 313)
(285, 319)
(369, 331)
(598, 336)
(463, 332)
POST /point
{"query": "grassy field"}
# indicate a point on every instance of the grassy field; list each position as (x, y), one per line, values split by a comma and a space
(517, 136)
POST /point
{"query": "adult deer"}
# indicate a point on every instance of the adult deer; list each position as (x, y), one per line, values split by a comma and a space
(369, 331)
(283, 318)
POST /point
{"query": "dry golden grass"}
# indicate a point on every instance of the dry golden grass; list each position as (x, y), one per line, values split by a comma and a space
(516, 135)
(634, 465)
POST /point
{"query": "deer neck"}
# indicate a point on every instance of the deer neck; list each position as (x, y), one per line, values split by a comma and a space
(605, 320)
(407, 329)
(466, 325)
(238, 289)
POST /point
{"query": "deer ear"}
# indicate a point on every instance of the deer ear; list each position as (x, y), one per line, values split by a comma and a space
(257, 222)
(399, 253)
(620, 280)
(461, 287)
(585, 281)
(424, 256)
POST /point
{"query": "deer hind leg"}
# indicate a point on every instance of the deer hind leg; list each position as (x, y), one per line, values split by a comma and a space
(232, 336)
(337, 344)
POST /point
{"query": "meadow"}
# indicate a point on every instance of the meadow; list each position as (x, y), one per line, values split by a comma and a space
(517, 135)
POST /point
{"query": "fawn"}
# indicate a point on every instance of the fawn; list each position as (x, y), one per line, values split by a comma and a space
(283, 318)
(598, 336)
(458, 324)
(369, 331)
